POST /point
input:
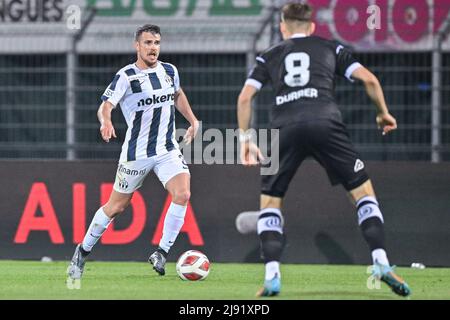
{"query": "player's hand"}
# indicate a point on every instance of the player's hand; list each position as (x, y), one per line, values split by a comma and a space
(107, 131)
(386, 122)
(250, 154)
(191, 132)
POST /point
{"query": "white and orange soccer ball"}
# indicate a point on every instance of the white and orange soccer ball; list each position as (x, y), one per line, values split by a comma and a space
(193, 265)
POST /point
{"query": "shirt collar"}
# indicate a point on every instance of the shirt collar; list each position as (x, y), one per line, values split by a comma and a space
(148, 69)
(298, 35)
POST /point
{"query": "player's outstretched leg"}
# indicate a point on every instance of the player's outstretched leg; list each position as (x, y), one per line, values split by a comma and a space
(99, 224)
(102, 219)
(270, 233)
(370, 220)
(76, 267)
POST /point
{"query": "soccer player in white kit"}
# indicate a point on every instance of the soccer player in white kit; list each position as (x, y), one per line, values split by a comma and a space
(148, 92)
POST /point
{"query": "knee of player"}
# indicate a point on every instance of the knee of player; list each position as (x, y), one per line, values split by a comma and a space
(118, 208)
(181, 197)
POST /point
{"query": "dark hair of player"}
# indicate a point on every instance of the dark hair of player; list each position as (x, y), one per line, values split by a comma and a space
(153, 29)
(296, 12)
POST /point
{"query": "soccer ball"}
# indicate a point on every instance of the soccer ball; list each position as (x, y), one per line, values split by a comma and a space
(193, 265)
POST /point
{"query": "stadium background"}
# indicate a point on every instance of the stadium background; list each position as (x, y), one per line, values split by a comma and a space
(51, 78)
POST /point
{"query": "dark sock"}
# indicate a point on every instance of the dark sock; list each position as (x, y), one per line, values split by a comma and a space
(373, 232)
(160, 250)
(84, 253)
(272, 245)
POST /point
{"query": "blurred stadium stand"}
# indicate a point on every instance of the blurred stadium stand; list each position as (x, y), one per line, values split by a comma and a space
(34, 82)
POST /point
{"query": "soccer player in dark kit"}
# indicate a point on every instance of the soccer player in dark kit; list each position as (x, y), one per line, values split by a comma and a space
(302, 71)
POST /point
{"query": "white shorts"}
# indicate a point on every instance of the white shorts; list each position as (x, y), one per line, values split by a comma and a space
(131, 174)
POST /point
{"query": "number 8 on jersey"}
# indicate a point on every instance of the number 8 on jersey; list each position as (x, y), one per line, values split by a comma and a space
(297, 68)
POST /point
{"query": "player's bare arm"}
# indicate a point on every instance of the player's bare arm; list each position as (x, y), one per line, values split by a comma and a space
(104, 117)
(385, 120)
(250, 153)
(182, 105)
(244, 107)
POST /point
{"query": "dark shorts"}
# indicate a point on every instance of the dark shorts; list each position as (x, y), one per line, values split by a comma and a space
(328, 142)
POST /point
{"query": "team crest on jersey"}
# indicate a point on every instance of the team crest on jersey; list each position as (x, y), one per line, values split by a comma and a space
(168, 80)
(123, 183)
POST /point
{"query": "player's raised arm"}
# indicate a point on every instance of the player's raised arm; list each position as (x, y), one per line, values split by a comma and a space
(104, 117)
(385, 120)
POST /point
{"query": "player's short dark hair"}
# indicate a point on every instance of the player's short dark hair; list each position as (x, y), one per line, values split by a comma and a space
(297, 11)
(153, 29)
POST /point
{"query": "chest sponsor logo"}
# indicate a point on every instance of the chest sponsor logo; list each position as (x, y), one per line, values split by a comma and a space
(156, 99)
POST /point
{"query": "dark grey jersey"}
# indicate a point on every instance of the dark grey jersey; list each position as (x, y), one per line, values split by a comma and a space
(302, 72)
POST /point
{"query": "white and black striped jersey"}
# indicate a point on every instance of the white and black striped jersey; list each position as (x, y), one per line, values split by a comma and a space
(146, 98)
(302, 71)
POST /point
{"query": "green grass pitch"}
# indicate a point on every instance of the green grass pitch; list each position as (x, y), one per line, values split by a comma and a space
(228, 281)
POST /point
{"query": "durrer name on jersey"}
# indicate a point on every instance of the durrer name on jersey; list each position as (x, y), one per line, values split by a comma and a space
(304, 93)
(157, 99)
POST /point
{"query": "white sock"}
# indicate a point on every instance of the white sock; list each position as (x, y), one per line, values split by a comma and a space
(379, 255)
(99, 224)
(272, 268)
(172, 225)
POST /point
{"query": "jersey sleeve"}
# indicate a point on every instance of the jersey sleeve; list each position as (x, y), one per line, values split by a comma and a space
(116, 89)
(176, 79)
(345, 62)
(259, 75)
